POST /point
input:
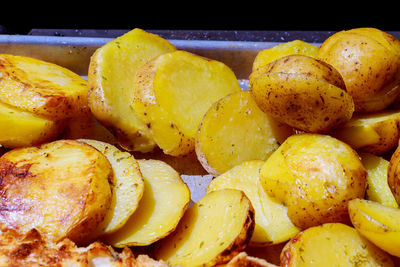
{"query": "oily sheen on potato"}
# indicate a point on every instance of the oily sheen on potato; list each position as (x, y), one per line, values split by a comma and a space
(314, 176)
(174, 91)
(163, 204)
(60, 188)
(110, 79)
(235, 130)
(302, 92)
(272, 224)
(212, 231)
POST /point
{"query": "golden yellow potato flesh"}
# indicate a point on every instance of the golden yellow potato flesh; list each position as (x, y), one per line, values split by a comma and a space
(369, 61)
(41, 88)
(61, 188)
(314, 176)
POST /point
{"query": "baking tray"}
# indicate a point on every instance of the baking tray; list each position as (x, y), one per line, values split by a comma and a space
(74, 53)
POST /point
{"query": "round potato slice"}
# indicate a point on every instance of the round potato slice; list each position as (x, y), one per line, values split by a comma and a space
(128, 185)
(212, 231)
(42, 88)
(61, 188)
(314, 176)
(333, 244)
(302, 92)
(111, 73)
(220, 142)
(163, 204)
(272, 224)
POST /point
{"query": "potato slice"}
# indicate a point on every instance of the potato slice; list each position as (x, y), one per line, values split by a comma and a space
(42, 88)
(377, 183)
(212, 231)
(272, 224)
(111, 72)
(19, 128)
(378, 223)
(220, 142)
(61, 188)
(314, 176)
(375, 133)
(333, 244)
(295, 47)
(163, 204)
(128, 185)
(174, 91)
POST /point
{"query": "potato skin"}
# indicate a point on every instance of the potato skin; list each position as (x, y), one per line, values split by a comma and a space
(369, 61)
(394, 174)
(302, 92)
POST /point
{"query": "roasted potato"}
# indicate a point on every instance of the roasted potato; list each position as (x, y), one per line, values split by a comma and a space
(110, 79)
(163, 204)
(19, 128)
(369, 61)
(128, 185)
(393, 174)
(377, 180)
(333, 244)
(219, 141)
(174, 91)
(374, 133)
(378, 223)
(272, 224)
(271, 253)
(60, 188)
(314, 176)
(212, 231)
(295, 47)
(302, 92)
(42, 88)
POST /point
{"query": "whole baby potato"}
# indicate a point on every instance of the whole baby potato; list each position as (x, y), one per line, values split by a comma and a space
(315, 176)
(303, 92)
(369, 61)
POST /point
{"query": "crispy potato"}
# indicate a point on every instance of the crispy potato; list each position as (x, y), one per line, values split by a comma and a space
(128, 185)
(302, 92)
(174, 91)
(271, 253)
(333, 244)
(19, 128)
(374, 133)
(378, 223)
(111, 72)
(219, 141)
(61, 188)
(41, 88)
(377, 183)
(243, 259)
(314, 176)
(212, 231)
(163, 204)
(369, 61)
(393, 174)
(295, 47)
(272, 224)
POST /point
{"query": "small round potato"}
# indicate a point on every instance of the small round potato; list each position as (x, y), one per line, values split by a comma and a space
(369, 61)
(302, 92)
(314, 176)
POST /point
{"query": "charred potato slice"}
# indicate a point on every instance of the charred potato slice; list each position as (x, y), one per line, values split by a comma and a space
(61, 188)
(174, 91)
(19, 128)
(163, 204)
(302, 92)
(272, 224)
(212, 231)
(220, 142)
(111, 72)
(128, 185)
(295, 47)
(333, 244)
(41, 88)
(314, 176)
(369, 61)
